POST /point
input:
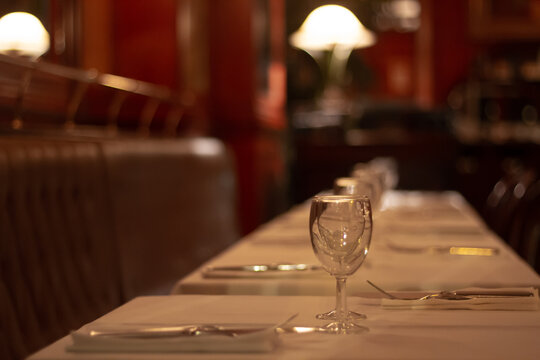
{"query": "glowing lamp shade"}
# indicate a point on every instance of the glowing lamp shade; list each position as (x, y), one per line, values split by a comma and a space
(331, 26)
(23, 34)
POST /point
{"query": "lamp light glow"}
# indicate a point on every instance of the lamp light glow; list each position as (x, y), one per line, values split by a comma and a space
(331, 26)
(23, 34)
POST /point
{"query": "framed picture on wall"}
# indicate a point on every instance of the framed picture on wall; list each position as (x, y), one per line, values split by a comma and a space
(505, 19)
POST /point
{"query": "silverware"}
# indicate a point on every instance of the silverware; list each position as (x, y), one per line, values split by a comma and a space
(198, 330)
(441, 295)
(460, 294)
(437, 230)
(265, 268)
(452, 250)
(495, 293)
(168, 331)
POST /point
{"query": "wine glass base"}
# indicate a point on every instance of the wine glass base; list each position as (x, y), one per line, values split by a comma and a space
(331, 315)
(344, 327)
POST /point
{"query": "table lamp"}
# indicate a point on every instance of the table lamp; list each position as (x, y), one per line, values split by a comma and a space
(22, 34)
(335, 29)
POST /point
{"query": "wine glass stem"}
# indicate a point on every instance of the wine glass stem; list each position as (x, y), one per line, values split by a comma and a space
(341, 299)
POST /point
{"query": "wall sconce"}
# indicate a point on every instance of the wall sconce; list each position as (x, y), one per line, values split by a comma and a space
(335, 29)
(22, 34)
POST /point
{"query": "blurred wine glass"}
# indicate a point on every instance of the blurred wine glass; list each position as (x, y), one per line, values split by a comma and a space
(358, 186)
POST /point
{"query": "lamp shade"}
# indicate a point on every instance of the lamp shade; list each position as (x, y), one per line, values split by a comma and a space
(332, 26)
(23, 34)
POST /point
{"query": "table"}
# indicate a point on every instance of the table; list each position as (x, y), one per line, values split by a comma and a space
(415, 221)
(393, 334)
(410, 224)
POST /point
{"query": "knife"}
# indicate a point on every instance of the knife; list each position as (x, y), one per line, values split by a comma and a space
(265, 268)
(452, 250)
(202, 329)
(495, 293)
(176, 331)
(198, 330)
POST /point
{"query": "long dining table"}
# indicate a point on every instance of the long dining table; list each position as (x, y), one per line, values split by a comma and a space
(423, 242)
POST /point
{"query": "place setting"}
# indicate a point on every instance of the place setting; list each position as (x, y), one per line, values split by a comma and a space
(261, 271)
(188, 338)
(438, 245)
(506, 298)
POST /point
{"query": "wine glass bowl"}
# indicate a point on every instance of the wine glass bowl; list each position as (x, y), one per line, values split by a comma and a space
(340, 229)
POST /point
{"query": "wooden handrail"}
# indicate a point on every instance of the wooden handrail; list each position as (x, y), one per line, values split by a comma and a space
(122, 87)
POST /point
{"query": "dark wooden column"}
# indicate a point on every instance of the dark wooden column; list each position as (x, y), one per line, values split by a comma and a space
(246, 99)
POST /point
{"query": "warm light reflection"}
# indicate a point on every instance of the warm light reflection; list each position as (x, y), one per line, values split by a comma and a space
(476, 251)
(207, 147)
(331, 26)
(23, 34)
(258, 268)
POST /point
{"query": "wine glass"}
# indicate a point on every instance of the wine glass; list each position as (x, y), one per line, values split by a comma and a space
(389, 167)
(357, 186)
(340, 228)
(376, 178)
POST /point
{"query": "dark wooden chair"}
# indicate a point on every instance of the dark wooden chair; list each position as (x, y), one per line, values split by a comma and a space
(505, 201)
(524, 235)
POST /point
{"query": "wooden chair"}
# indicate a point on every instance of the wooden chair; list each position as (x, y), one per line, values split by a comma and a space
(505, 200)
(524, 234)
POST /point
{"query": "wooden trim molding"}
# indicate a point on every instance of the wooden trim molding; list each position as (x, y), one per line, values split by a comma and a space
(488, 20)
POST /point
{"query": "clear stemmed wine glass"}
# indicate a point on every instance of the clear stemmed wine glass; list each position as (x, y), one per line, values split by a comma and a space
(340, 228)
(357, 186)
(376, 179)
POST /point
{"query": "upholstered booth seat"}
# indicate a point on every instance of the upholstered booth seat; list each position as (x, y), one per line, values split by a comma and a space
(87, 223)
(174, 206)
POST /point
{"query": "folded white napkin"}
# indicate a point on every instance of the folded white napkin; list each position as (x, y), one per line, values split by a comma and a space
(263, 340)
(487, 301)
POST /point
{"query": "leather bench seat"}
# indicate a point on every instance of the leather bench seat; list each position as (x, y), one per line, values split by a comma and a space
(88, 223)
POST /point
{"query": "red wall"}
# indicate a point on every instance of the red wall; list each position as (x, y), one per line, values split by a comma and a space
(453, 49)
(145, 42)
(392, 61)
(445, 60)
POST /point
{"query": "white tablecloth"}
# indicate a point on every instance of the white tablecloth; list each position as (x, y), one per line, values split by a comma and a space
(393, 334)
(415, 220)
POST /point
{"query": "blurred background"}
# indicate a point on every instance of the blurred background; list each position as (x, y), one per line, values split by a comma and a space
(449, 88)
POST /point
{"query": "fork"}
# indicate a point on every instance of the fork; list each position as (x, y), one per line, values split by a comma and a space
(446, 295)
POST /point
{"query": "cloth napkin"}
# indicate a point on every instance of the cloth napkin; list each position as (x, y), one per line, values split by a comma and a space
(264, 340)
(527, 303)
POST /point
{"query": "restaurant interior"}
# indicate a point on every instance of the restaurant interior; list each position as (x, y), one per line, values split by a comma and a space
(139, 139)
